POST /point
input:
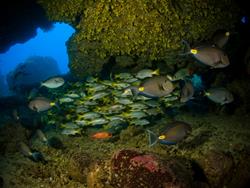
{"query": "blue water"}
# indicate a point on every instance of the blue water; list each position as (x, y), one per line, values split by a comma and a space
(50, 43)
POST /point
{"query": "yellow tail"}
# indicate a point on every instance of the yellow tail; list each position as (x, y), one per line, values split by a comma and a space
(156, 72)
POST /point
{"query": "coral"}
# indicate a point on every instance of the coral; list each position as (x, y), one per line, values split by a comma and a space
(61, 10)
(81, 63)
(138, 29)
(130, 168)
(145, 161)
(150, 29)
(214, 143)
(98, 176)
(79, 166)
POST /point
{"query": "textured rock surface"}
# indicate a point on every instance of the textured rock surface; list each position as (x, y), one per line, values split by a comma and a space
(217, 167)
(130, 168)
(138, 29)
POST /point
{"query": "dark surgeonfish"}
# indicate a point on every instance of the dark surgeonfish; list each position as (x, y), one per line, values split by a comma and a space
(219, 95)
(158, 86)
(187, 91)
(35, 156)
(174, 133)
(211, 56)
(220, 38)
(40, 104)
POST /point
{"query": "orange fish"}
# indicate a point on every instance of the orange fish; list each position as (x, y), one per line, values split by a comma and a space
(101, 135)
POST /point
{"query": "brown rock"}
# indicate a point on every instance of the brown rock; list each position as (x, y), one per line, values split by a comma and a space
(217, 167)
(130, 168)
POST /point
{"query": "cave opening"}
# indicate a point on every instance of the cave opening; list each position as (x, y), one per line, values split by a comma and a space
(50, 43)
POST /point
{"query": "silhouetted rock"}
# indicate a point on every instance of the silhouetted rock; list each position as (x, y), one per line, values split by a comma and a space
(30, 73)
(19, 21)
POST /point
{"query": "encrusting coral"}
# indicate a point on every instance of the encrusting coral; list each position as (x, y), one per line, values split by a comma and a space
(141, 28)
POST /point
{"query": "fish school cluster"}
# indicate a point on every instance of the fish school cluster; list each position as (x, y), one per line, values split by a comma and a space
(131, 99)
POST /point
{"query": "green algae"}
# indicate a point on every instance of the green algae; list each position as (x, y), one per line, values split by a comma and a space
(227, 134)
(150, 30)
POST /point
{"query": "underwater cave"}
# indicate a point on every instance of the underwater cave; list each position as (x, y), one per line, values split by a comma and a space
(129, 93)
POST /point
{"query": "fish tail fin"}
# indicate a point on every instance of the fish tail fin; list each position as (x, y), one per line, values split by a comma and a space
(41, 84)
(186, 44)
(152, 138)
(111, 77)
(206, 93)
(187, 51)
(56, 104)
(156, 72)
(170, 77)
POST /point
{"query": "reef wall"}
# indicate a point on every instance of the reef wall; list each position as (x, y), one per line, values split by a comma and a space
(140, 29)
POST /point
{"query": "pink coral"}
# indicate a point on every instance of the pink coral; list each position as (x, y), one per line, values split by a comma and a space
(146, 161)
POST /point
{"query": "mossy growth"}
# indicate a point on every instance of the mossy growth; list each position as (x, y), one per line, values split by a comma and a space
(69, 11)
(151, 30)
(83, 63)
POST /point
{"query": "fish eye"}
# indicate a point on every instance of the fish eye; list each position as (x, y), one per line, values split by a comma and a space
(194, 51)
(141, 89)
(162, 137)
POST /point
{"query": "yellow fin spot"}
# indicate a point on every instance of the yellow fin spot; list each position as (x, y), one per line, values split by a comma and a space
(194, 51)
(141, 88)
(227, 34)
(52, 104)
(162, 137)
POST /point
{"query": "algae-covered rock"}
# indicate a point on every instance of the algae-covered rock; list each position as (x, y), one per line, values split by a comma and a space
(79, 166)
(98, 177)
(217, 167)
(81, 63)
(10, 135)
(241, 173)
(151, 29)
(139, 29)
(61, 10)
(130, 168)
